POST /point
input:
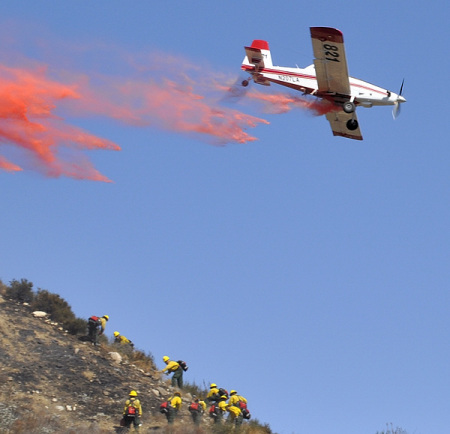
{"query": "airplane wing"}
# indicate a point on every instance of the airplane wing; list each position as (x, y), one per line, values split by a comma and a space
(338, 121)
(330, 61)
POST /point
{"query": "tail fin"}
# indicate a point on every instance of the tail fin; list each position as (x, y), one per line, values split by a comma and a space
(257, 56)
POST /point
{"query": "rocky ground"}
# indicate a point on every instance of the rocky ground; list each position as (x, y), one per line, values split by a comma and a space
(51, 381)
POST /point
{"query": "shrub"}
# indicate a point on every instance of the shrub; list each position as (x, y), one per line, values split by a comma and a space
(256, 426)
(21, 291)
(59, 310)
(142, 360)
(196, 390)
(76, 326)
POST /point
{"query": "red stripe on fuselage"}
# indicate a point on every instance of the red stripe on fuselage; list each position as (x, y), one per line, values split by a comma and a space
(304, 76)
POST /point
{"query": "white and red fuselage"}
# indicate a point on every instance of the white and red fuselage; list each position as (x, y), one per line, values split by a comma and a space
(304, 80)
(327, 79)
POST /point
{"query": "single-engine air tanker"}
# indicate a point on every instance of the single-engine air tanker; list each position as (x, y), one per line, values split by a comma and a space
(327, 78)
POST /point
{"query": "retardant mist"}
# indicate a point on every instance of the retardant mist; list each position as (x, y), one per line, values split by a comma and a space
(39, 102)
(273, 101)
(28, 120)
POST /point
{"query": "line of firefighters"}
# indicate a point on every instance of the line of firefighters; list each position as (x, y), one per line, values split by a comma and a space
(236, 407)
(216, 399)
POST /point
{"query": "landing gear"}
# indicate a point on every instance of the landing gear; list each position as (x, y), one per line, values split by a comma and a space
(245, 83)
(349, 107)
(352, 124)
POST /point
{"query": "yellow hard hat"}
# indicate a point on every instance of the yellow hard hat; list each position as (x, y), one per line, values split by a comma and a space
(166, 358)
(116, 334)
(133, 393)
(233, 392)
(213, 385)
(106, 317)
(224, 397)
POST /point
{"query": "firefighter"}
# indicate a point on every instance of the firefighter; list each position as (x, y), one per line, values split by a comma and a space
(176, 369)
(218, 409)
(120, 339)
(235, 399)
(213, 394)
(96, 327)
(239, 402)
(174, 407)
(197, 408)
(132, 411)
(234, 415)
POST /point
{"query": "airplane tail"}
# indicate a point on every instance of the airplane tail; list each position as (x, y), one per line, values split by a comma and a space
(257, 57)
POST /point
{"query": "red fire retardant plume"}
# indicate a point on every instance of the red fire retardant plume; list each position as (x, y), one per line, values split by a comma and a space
(29, 100)
(277, 103)
(27, 121)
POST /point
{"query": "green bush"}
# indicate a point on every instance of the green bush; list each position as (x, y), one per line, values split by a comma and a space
(57, 308)
(195, 389)
(59, 311)
(76, 326)
(21, 291)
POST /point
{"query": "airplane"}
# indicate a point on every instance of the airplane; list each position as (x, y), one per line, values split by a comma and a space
(327, 78)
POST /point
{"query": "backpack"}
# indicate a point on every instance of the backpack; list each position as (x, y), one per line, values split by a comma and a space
(183, 365)
(195, 406)
(223, 392)
(131, 411)
(94, 320)
(164, 407)
(214, 410)
(245, 413)
(242, 405)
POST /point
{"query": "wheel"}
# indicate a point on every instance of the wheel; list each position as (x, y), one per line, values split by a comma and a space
(245, 83)
(349, 107)
(352, 124)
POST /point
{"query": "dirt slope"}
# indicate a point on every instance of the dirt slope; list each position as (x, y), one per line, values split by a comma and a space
(51, 381)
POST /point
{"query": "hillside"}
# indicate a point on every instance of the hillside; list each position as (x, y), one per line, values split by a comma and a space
(53, 382)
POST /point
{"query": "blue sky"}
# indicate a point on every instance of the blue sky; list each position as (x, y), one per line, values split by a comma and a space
(306, 271)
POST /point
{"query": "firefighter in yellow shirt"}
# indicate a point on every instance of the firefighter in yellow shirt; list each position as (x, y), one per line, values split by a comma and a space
(96, 327)
(176, 369)
(132, 411)
(223, 403)
(120, 339)
(235, 415)
(239, 402)
(197, 408)
(219, 409)
(174, 408)
(235, 399)
(213, 394)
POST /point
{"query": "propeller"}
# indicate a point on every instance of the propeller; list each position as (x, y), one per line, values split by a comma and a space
(400, 99)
